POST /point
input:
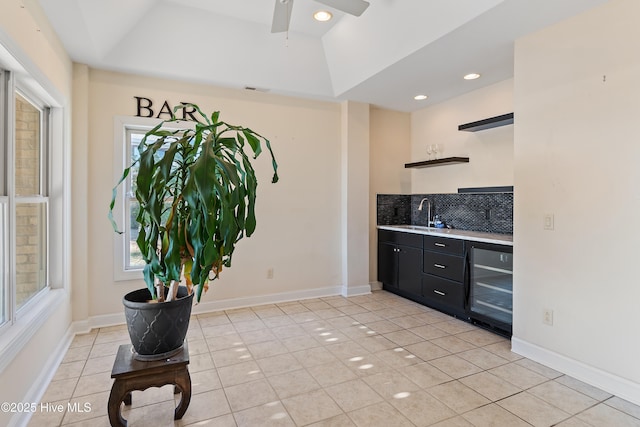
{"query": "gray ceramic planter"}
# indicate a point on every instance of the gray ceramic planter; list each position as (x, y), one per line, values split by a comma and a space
(157, 330)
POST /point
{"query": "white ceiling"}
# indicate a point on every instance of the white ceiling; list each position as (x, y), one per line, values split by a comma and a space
(395, 50)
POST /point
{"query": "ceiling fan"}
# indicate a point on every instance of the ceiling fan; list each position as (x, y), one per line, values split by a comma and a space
(282, 11)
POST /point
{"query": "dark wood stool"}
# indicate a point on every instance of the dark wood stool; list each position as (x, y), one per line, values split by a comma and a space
(131, 374)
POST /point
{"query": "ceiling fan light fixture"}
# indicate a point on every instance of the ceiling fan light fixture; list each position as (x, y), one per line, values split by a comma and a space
(471, 76)
(322, 16)
(420, 97)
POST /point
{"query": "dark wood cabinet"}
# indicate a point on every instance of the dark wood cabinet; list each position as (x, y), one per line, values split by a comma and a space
(400, 261)
(444, 244)
(388, 264)
(438, 271)
(405, 239)
(426, 269)
(443, 265)
(444, 294)
(443, 281)
(410, 270)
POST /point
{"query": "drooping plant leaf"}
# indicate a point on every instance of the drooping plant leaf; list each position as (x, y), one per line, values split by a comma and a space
(196, 188)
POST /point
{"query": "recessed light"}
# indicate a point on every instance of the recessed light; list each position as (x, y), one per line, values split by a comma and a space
(322, 16)
(420, 97)
(471, 76)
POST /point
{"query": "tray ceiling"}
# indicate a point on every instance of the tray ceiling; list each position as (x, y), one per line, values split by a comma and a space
(395, 50)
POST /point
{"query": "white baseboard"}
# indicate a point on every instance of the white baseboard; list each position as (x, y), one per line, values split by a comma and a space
(351, 291)
(228, 304)
(606, 381)
(376, 286)
(103, 321)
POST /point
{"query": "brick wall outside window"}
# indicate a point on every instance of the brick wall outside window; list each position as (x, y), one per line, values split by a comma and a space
(30, 217)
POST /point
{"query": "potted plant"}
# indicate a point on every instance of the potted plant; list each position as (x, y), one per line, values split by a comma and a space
(196, 188)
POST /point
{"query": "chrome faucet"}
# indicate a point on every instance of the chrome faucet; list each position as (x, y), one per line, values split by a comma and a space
(429, 222)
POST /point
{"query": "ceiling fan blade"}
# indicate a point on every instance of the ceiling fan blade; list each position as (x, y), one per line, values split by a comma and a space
(352, 7)
(281, 16)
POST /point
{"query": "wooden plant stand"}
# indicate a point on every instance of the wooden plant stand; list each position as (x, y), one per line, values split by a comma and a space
(131, 374)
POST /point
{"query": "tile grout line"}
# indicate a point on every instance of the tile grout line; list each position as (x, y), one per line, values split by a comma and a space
(341, 321)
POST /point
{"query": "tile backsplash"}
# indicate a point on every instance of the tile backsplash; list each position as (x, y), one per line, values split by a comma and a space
(393, 209)
(487, 212)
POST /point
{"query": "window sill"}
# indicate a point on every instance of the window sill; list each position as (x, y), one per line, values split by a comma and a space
(127, 275)
(18, 335)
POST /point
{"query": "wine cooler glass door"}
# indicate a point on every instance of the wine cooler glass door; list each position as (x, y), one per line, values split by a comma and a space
(491, 286)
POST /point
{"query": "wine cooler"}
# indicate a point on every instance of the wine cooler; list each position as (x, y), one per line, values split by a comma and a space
(490, 293)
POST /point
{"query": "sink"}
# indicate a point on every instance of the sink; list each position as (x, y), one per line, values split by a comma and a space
(415, 227)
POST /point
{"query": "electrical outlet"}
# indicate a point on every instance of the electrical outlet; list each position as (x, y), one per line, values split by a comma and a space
(548, 221)
(270, 273)
(547, 317)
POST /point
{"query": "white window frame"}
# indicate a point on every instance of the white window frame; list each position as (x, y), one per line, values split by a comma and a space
(23, 324)
(4, 261)
(5, 274)
(40, 199)
(122, 159)
(5, 84)
(11, 201)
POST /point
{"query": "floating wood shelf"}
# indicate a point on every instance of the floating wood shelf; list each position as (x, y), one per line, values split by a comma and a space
(477, 190)
(437, 162)
(492, 122)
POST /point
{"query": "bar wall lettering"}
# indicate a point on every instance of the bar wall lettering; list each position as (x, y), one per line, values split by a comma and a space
(144, 108)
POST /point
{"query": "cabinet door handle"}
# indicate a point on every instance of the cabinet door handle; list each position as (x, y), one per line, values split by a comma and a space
(442, 245)
(439, 292)
(439, 265)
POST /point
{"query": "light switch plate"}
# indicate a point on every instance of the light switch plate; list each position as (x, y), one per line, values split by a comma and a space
(548, 221)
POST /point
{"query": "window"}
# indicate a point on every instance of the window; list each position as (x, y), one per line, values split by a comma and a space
(4, 200)
(132, 258)
(3, 255)
(34, 206)
(24, 202)
(31, 202)
(129, 132)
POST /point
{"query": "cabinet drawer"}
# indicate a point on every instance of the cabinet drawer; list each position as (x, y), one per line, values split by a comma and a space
(443, 291)
(444, 245)
(406, 239)
(443, 265)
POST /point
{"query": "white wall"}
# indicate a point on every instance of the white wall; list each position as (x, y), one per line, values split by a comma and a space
(355, 198)
(576, 156)
(390, 149)
(28, 38)
(490, 151)
(298, 232)
(80, 188)
(26, 32)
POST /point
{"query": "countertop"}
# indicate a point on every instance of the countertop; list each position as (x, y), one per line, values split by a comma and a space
(477, 236)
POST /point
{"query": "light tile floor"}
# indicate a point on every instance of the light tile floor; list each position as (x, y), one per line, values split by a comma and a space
(374, 360)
